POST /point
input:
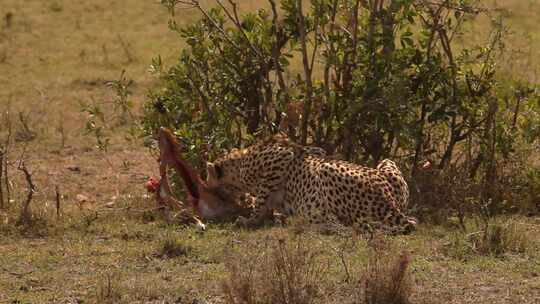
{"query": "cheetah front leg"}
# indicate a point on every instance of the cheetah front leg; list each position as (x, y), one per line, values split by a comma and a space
(265, 204)
(397, 222)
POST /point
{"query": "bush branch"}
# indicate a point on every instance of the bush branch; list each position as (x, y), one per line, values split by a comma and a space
(25, 213)
(307, 74)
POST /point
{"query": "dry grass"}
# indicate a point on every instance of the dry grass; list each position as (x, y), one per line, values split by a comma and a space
(521, 18)
(387, 279)
(172, 247)
(499, 237)
(108, 290)
(289, 270)
(286, 272)
(503, 238)
(156, 261)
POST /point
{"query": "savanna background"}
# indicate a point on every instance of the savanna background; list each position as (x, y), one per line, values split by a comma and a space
(83, 84)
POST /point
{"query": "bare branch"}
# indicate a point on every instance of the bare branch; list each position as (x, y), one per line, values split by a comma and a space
(6, 179)
(217, 26)
(445, 4)
(4, 174)
(276, 52)
(204, 99)
(1, 173)
(25, 212)
(236, 21)
(58, 197)
(307, 74)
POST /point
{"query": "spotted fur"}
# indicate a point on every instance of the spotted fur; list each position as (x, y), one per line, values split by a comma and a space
(302, 181)
(399, 186)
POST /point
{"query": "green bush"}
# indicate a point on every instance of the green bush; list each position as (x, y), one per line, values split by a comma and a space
(358, 78)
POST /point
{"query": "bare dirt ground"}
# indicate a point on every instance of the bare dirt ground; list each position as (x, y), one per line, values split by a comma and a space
(105, 248)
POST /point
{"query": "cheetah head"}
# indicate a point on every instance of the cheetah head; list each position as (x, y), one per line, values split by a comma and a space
(409, 225)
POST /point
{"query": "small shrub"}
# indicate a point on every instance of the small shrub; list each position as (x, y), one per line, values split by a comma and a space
(458, 247)
(108, 290)
(284, 272)
(498, 239)
(387, 279)
(96, 124)
(437, 202)
(35, 227)
(527, 189)
(122, 103)
(172, 247)
(24, 132)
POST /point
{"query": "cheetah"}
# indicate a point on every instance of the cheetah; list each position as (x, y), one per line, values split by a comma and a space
(302, 181)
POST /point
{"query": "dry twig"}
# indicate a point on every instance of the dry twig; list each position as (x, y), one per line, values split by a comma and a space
(58, 196)
(25, 213)
(307, 73)
(1, 173)
(4, 154)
